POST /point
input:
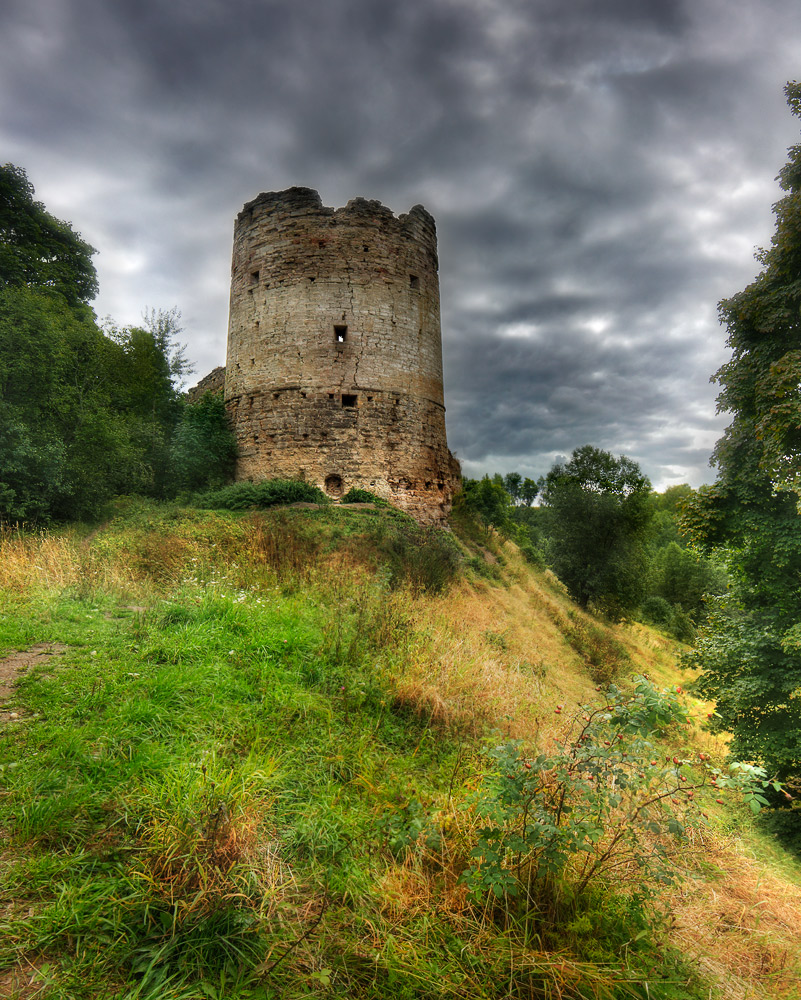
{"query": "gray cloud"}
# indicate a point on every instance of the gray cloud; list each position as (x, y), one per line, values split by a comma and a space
(600, 173)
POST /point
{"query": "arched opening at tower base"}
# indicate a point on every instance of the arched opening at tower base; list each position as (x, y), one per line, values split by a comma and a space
(333, 485)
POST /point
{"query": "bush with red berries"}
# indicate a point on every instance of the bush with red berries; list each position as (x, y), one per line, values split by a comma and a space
(605, 801)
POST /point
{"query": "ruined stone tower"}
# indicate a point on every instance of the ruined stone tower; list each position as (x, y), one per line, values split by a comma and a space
(334, 371)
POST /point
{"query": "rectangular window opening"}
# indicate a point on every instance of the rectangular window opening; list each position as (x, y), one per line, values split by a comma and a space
(340, 334)
(254, 277)
(414, 281)
(349, 400)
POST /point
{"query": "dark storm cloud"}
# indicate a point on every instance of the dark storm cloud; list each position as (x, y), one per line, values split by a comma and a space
(600, 172)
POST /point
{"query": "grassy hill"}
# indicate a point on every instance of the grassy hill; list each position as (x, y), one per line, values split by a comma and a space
(261, 755)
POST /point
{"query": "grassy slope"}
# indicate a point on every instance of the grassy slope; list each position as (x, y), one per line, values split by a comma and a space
(248, 775)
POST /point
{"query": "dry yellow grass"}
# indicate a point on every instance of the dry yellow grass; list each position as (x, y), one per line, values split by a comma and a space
(741, 924)
(494, 654)
(54, 562)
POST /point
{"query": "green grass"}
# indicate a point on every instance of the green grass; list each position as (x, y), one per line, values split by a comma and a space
(189, 782)
(215, 792)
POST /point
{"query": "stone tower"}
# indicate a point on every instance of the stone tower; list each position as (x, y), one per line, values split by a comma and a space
(334, 371)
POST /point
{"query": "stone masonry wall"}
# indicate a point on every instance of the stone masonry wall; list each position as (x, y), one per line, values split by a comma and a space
(213, 382)
(334, 370)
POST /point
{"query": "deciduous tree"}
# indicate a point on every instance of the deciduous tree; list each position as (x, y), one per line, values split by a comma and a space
(751, 655)
(38, 250)
(598, 515)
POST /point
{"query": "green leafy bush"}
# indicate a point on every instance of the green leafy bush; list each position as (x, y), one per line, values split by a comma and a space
(672, 618)
(357, 495)
(268, 493)
(203, 449)
(531, 553)
(604, 799)
(656, 610)
(604, 655)
(681, 626)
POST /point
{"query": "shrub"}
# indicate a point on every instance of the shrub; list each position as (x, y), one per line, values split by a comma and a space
(357, 495)
(203, 450)
(604, 655)
(604, 799)
(670, 617)
(680, 625)
(656, 610)
(531, 554)
(426, 559)
(268, 493)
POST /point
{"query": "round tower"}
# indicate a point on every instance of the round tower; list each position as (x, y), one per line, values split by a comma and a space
(334, 371)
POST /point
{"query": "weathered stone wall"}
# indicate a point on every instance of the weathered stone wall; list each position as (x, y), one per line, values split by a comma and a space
(334, 369)
(213, 382)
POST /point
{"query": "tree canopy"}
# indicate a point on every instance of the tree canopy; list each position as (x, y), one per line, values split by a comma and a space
(598, 514)
(38, 250)
(86, 413)
(751, 654)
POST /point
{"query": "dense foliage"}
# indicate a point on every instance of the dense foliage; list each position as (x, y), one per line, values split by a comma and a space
(751, 653)
(674, 581)
(598, 517)
(37, 250)
(86, 413)
(261, 495)
(203, 450)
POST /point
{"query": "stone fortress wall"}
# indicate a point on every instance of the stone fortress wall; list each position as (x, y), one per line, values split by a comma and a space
(334, 370)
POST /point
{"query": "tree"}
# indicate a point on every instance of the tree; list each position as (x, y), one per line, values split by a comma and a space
(83, 415)
(204, 446)
(488, 500)
(513, 483)
(150, 362)
(528, 491)
(598, 514)
(680, 578)
(38, 250)
(68, 439)
(750, 655)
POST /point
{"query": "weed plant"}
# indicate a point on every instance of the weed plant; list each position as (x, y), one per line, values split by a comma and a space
(356, 494)
(606, 657)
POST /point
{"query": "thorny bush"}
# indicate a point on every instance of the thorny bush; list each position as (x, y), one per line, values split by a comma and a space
(605, 799)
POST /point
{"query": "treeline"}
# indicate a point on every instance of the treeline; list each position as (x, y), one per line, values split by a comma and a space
(750, 655)
(613, 541)
(87, 412)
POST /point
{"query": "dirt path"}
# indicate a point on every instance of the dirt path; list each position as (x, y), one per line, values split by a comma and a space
(15, 664)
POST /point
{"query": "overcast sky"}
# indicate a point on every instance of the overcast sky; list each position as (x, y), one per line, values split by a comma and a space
(600, 171)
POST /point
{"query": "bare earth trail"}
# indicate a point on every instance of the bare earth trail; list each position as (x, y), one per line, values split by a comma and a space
(14, 665)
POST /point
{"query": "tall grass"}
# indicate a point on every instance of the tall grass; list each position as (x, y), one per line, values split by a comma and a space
(249, 773)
